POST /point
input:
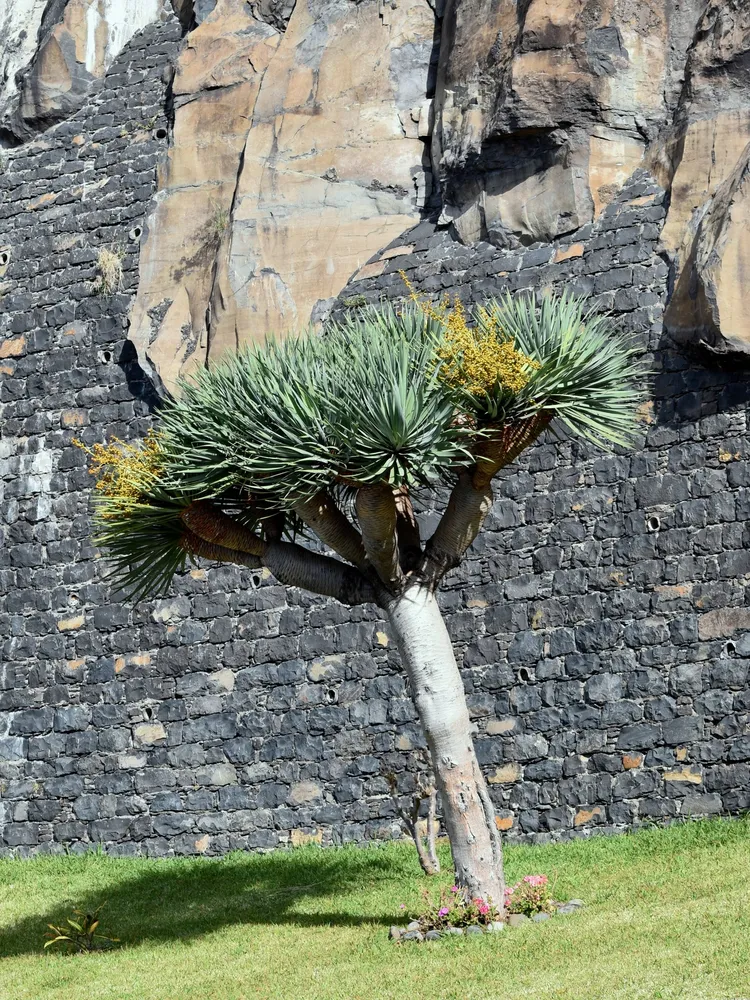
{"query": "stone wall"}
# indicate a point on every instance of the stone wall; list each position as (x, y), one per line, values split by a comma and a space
(613, 588)
(602, 617)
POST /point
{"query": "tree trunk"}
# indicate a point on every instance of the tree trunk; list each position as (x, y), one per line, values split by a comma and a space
(438, 691)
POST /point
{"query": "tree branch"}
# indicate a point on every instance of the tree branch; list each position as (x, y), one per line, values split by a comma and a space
(376, 510)
(432, 827)
(407, 530)
(426, 852)
(489, 812)
(296, 566)
(471, 498)
(291, 564)
(214, 526)
(217, 553)
(332, 527)
(504, 444)
(459, 526)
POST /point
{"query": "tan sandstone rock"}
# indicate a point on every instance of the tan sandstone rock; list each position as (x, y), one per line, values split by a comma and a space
(329, 175)
(76, 51)
(703, 159)
(710, 301)
(216, 84)
(289, 167)
(308, 136)
(543, 113)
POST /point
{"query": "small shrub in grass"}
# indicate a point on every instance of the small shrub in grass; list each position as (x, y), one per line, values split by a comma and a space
(79, 934)
(453, 909)
(530, 896)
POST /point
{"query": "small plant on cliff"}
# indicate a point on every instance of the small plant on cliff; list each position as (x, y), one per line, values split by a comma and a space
(333, 437)
(109, 271)
(219, 223)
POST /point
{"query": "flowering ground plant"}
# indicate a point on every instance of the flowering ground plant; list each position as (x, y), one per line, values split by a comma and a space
(530, 896)
(453, 909)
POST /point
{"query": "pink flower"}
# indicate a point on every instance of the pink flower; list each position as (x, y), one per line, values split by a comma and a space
(454, 888)
(443, 911)
(402, 906)
(535, 880)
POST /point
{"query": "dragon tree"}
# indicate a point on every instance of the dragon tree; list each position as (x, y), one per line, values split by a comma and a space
(306, 456)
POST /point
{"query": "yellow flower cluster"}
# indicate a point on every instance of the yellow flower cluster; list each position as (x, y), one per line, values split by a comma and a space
(124, 472)
(477, 358)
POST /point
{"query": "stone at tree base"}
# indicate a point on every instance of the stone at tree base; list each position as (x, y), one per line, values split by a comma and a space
(413, 936)
(453, 930)
(474, 929)
(413, 925)
(495, 926)
(539, 918)
(432, 936)
(395, 933)
(517, 919)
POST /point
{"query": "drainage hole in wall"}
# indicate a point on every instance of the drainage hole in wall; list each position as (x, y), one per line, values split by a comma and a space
(160, 133)
(105, 357)
(4, 258)
(524, 675)
(149, 713)
(135, 234)
(653, 523)
(332, 696)
(729, 648)
(255, 580)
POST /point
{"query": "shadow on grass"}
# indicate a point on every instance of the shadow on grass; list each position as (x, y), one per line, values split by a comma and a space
(183, 898)
(180, 899)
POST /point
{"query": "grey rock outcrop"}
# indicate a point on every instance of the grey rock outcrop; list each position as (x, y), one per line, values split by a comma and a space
(53, 52)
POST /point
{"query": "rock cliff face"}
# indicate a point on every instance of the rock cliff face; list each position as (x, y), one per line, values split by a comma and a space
(19, 24)
(306, 170)
(546, 110)
(52, 53)
(700, 158)
(307, 135)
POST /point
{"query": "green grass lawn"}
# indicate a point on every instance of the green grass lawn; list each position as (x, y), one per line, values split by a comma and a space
(667, 916)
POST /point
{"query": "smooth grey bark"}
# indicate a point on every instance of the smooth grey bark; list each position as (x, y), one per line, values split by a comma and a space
(438, 692)
(426, 845)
